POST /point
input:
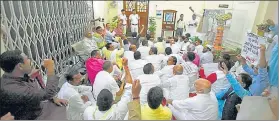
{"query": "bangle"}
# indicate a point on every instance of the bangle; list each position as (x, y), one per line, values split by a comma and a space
(135, 98)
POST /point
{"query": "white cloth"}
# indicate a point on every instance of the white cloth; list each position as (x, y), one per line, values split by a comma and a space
(184, 45)
(198, 50)
(181, 24)
(144, 51)
(129, 55)
(116, 112)
(73, 95)
(200, 107)
(178, 87)
(165, 73)
(136, 67)
(192, 71)
(135, 28)
(134, 18)
(156, 60)
(221, 83)
(237, 69)
(150, 43)
(192, 29)
(175, 48)
(178, 57)
(147, 81)
(124, 18)
(206, 57)
(104, 80)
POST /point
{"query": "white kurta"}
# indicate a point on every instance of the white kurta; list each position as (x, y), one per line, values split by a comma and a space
(136, 67)
(198, 50)
(192, 71)
(221, 83)
(150, 43)
(200, 107)
(206, 57)
(184, 46)
(177, 87)
(116, 112)
(237, 69)
(129, 55)
(73, 95)
(156, 60)
(147, 81)
(191, 29)
(144, 51)
(104, 80)
(178, 57)
(175, 48)
(165, 73)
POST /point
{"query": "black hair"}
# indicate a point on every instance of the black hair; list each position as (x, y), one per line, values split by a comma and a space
(209, 49)
(191, 56)
(188, 35)
(246, 79)
(104, 100)
(98, 27)
(144, 43)
(226, 57)
(69, 76)
(228, 64)
(9, 60)
(168, 51)
(147, 69)
(174, 59)
(200, 41)
(137, 55)
(160, 39)
(107, 65)
(155, 97)
(176, 39)
(94, 53)
(125, 41)
(108, 45)
(122, 10)
(148, 37)
(134, 34)
(154, 50)
(130, 48)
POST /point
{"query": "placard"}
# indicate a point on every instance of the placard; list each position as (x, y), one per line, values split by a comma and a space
(210, 68)
(159, 14)
(251, 48)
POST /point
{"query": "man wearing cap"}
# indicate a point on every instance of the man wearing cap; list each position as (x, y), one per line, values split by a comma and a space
(207, 56)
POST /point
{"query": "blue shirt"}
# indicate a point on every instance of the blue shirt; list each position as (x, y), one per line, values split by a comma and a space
(273, 67)
(260, 80)
(109, 37)
(237, 88)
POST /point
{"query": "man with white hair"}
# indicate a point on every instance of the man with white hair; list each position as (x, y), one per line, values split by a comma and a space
(204, 106)
(207, 56)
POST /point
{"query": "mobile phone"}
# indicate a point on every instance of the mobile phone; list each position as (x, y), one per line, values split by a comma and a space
(220, 63)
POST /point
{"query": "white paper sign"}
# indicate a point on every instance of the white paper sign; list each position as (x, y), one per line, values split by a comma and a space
(251, 48)
(210, 68)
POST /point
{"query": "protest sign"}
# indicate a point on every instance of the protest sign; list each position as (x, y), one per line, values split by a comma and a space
(251, 48)
(210, 68)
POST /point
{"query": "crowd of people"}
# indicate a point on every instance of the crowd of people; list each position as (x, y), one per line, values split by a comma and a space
(136, 78)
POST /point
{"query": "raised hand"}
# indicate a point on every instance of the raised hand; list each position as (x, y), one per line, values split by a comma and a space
(136, 87)
(125, 61)
(49, 65)
(224, 68)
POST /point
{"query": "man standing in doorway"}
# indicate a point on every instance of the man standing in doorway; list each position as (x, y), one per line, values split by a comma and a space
(123, 17)
(134, 20)
(181, 26)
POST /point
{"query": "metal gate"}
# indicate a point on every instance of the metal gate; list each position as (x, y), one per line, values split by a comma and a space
(44, 29)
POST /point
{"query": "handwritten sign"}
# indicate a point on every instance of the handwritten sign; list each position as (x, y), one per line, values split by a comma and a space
(251, 48)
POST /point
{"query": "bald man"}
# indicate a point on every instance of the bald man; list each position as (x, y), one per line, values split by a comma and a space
(177, 87)
(204, 106)
(130, 54)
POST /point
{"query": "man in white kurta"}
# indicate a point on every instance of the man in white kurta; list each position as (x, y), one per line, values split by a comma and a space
(73, 93)
(105, 80)
(178, 85)
(192, 25)
(144, 49)
(130, 54)
(136, 66)
(169, 53)
(203, 106)
(147, 81)
(156, 60)
(199, 48)
(123, 17)
(207, 56)
(134, 20)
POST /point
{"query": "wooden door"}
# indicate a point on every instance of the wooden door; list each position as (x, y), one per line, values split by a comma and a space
(142, 8)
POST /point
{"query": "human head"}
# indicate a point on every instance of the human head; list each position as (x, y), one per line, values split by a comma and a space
(123, 11)
(134, 34)
(109, 46)
(144, 43)
(88, 34)
(194, 16)
(175, 39)
(107, 66)
(104, 100)
(14, 61)
(148, 68)
(153, 51)
(245, 80)
(207, 48)
(108, 26)
(160, 39)
(188, 35)
(133, 48)
(125, 42)
(228, 64)
(178, 70)
(181, 16)
(73, 77)
(191, 56)
(168, 51)
(198, 42)
(134, 11)
(155, 97)
(227, 57)
(137, 55)
(202, 86)
(172, 60)
(148, 37)
(99, 30)
(96, 54)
